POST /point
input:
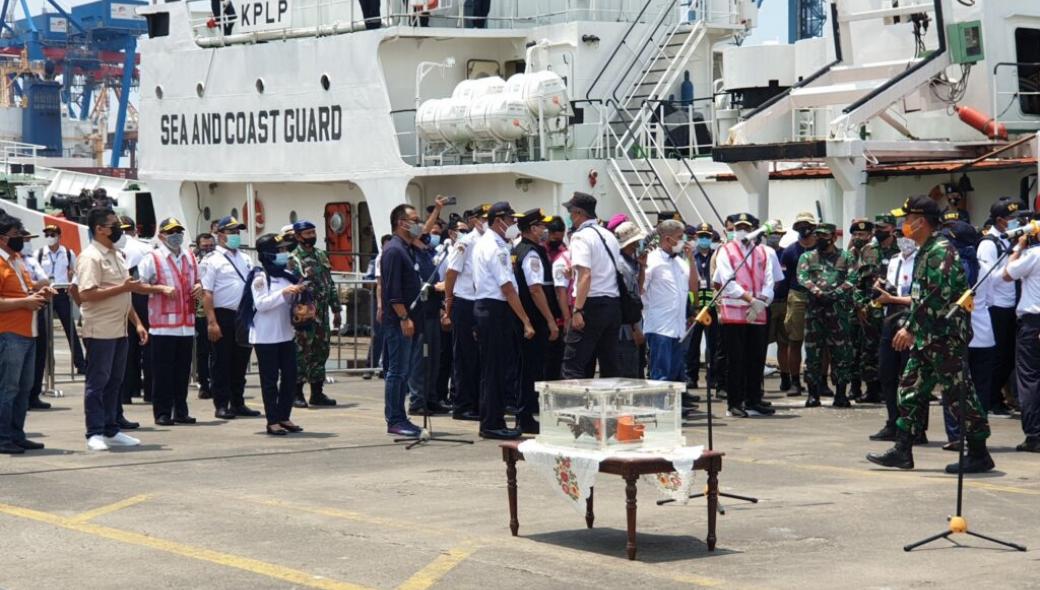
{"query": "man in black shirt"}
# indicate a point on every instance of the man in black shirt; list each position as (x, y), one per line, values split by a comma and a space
(399, 270)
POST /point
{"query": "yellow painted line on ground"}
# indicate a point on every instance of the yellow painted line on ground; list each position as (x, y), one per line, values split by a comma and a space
(438, 568)
(253, 566)
(103, 510)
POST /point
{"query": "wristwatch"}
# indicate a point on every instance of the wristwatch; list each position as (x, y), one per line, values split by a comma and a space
(577, 311)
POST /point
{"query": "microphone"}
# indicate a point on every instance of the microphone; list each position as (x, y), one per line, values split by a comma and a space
(765, 228)
(1031, 228)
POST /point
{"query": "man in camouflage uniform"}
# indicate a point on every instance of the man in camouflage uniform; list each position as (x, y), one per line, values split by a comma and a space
(312, 342)
(937, 346)
(866, 326)
(823, 272)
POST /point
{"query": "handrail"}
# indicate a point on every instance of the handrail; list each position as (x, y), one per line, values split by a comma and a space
(606, 65)
(1018, 64)
(649, 39)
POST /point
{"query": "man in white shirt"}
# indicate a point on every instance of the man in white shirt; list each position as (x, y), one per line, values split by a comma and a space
(223, 280)
(666, 288)
(1024, 265)
(59, 263)
(459, 297)
(1002, 300)
(496, 311)
(170, 274)
(596, 317)
(138, 378)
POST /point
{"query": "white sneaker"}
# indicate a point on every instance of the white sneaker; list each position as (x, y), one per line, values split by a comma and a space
(97, 443)
(122, 440)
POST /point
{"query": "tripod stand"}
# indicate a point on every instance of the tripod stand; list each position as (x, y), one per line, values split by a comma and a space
(704, 318)
(427, 435)
(958, 524)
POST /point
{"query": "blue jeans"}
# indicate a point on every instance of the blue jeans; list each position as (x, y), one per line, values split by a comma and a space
(17, 354)
(399, 353)
(666, 358)
(106, 365)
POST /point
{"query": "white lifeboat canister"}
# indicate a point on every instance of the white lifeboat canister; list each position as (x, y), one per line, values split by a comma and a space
(471, 90)
(545, 90)
(426, 120)
(499, 117)
(451, 121)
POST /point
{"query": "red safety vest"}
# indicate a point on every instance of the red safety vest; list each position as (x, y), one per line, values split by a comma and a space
(177, 310)
(751, 277)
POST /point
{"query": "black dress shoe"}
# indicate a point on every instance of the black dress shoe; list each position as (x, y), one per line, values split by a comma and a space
(225, 414)
(437, 409)
(510, 410)
(276, 432)
(164, 421)
(185, 420)
(322, 400)
(10, 448)
(29, 445)
(467, 416)
(246, 412)
(420, 411)
(1030, 445)
(291, 427)
(35, 403)
(125, 424)
(501, 434)
(205, 394)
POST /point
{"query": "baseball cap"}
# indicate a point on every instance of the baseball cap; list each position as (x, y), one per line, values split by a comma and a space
(52, 227)
(556, 224)
(533, 217)
(1004, 207)
(884, 219)
(826, 228)
(616, 221)
(704, 229)
(302, 225)
(745, 219)
(668, 216)
(918, 205)
(229, 223)
(583, 201)
(169, 224)
(628, 233)
(501, 209)
(861, 224)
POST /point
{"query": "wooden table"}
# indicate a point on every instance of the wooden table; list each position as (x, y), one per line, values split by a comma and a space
(629, 470)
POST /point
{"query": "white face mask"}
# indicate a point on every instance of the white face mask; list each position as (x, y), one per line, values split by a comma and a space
(52, 241)
(512, 232)
(906, 246)
(121, 243)
(715, 246)
(739, 235)
(678, 247)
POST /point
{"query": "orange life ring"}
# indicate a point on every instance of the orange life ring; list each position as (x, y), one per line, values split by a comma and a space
(260, 218)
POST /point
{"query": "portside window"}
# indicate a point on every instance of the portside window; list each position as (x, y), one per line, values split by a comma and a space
(1027, 44)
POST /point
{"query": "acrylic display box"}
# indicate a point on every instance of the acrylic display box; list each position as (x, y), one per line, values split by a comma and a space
(622, 414)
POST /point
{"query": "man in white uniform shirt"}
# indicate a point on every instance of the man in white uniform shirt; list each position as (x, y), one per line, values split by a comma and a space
(138, 378)
(496, 311)
(171, 275)
(59, 263)
(1002, 300)
(667, 286)
(596, 316)
(460, 294)
(1024, 265)
(223, 280)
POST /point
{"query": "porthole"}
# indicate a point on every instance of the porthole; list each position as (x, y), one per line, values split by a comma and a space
(293, 218)
(158, 92)
(325, 82)
(260, 85)
(200, 89)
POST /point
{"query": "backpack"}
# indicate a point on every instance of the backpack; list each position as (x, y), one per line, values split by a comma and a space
(966, 240)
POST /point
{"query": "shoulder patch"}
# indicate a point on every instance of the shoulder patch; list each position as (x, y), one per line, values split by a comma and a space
(259, 282)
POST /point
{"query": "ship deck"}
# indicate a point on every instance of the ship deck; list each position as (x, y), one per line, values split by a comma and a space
(220, 505)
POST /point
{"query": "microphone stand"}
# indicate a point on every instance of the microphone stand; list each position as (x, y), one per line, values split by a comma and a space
(704, 317)
(957, 522)
(427, 418)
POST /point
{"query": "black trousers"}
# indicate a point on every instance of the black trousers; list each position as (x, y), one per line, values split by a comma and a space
(466, 371)
(980, 365)
(203, 355)
(532, 355)
(890, 366)
(138, 376)
(476, 12)
(745, 347)
(63, 309)
(693, 354)
(554, 359)
(1004, 321)
(598, 341)
(230, 362)
(444, 389)
(1028, 373)
(171, 371)
(277, 365)
(370, 10)
(499, 338)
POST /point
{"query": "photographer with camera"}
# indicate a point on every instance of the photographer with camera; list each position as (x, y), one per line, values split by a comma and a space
(1024, 265)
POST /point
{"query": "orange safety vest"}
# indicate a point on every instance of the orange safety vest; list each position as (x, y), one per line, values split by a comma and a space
(177, 310)
(751, 277)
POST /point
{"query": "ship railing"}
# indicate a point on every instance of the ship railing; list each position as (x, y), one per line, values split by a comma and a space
(19, 159)
(407, 133)
(679, 129)
(1017, 84)
(812, 123)
(310, 18)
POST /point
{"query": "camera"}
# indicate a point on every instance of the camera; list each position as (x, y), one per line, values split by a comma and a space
(75, 207)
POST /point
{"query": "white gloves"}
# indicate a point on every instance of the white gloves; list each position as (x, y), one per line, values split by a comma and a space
(756, 309)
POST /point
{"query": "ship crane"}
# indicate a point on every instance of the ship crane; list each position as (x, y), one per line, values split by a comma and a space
(93, 48)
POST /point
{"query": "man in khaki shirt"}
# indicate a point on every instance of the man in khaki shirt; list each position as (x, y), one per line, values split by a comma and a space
(104, 289)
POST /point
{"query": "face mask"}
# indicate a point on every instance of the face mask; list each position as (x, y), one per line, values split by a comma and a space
(906, 246)
(16, 244)
(52, 240)
(823, 243)
(309, 242)
(1014, 224)
(121, 242)
(512, 232)
(414, 230)
(704, 243)
(480, 228)
(678, 247)
(859, 242)
(805, 232)
(881, 235)
(908, 232)
(555, 244)
(715, 246)
(175, 241)
(740, 234)
(435, 240)
(281, 259)
(234, 241)
(543, 236)
(206, 250)
(729, 236)
(116, 235)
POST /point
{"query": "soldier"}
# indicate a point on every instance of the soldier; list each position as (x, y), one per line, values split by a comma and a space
(866, 333)
(824, 273)
(937, 345)
(312, 341)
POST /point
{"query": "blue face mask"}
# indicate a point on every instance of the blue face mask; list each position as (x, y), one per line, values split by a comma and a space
(281, 259)
(1014, 224)
(435, 240)
(234, 241)
(704, 243)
